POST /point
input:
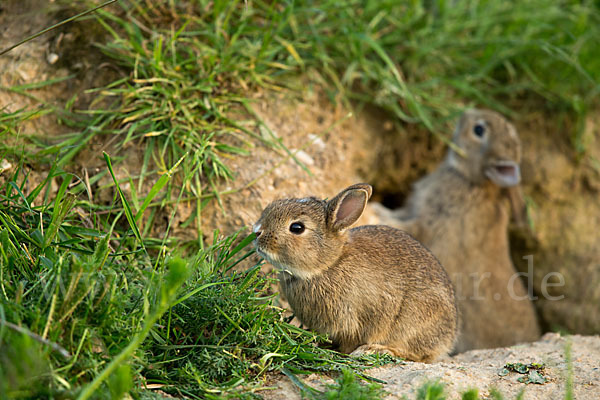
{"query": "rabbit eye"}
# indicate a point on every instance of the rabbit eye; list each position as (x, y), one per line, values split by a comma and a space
(479, 130)
(297, 228)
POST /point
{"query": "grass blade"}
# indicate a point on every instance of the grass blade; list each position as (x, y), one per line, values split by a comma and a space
(126, 207)
(62, 206)
(160, 183)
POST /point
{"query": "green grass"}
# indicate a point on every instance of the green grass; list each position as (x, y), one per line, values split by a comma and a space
(569, 391)
(92, 303)
(90, 309)
(11, 123)
(347, 387)
(431, 391)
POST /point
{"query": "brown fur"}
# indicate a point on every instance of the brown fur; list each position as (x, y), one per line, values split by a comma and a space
(462, 216)
(370, 288)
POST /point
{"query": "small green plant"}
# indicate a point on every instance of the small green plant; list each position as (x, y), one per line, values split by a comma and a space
(533, 372)
(431, 391)
(495, 394)
(569, 393)
(472, 394)
(348, 387)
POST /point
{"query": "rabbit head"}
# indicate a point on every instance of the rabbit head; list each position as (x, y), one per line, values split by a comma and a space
(492, 149)
(304, 236)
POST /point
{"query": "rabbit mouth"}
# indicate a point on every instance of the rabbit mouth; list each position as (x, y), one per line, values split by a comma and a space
(283, 267)
(263, 253)
(504, 173)
(272, 259)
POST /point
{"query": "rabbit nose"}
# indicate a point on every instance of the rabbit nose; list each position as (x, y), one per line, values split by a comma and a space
(256, 229)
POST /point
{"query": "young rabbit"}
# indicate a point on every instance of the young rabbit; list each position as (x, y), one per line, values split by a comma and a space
(460, 213)
(370, 288)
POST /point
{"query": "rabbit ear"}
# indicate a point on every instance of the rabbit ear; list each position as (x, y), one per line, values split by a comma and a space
(347, 207)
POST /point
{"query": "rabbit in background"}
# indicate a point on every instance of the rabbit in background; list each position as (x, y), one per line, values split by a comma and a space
(370, 288)
(460, 213)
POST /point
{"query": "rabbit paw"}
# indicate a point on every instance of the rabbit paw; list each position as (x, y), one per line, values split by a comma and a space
(372, 349)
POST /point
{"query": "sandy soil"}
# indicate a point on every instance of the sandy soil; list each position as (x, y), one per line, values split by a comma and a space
(480, 369)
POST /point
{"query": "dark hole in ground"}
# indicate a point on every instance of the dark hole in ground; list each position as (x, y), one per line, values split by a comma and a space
(391, 200)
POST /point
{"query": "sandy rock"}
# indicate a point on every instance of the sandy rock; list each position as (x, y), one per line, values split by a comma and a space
(480, 369)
